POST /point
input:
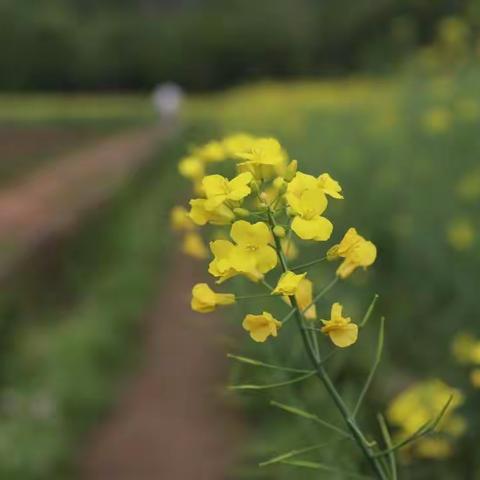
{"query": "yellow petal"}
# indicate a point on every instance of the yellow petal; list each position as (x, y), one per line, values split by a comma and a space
(344, 336)
(318, 228)
(251, 235)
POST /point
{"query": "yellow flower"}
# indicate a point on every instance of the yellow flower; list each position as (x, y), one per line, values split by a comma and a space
(461, 234)
(466, 349)
(475, 377)
(325, 183)
(263, 158)
(329, 186)
(238, 142)
(356, 251)
(191, 167)
(261, 326)
(200, 214)
(251, 256)
(211, 152)
(419, 404)
(304, 297)
(253, 241)
(288, 283)
(437, 120)
(180, 220)
(289, 248)
(308, 223)
(204, 299)
(193, 245)
(341, 330)
(218, 189)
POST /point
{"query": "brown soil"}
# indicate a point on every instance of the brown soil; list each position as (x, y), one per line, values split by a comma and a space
(171, 422)
(53, 198)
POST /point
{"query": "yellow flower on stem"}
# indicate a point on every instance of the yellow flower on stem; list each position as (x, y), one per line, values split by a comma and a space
(288, 283)
(261, 326)
(201, 215)
(253, 241)
(341, 330)
(264, 158)
(218, 189)
(304, 297)
(180, 220)
(193, 245)
(329, 186)
(308, 223)
(205, 300)
(356, 251)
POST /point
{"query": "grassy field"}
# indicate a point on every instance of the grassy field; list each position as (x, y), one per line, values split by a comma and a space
(406, 153)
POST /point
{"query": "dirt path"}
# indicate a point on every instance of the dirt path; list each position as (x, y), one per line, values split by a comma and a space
(56, 196)
(170, 423)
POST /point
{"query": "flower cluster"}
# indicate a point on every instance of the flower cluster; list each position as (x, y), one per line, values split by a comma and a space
(267, 207)
(412, 409)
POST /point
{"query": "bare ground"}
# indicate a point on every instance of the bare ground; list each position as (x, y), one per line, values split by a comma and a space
(171, 422)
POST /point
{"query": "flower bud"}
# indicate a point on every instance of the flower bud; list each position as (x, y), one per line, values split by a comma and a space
(291, 171)
(241, 212)
(290, 212)
(279, 231)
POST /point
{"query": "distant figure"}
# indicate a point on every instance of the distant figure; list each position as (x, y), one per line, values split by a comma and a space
(167, 99)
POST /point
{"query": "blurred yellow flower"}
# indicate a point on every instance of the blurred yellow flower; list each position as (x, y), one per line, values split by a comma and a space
(437, 120)
(261, 326)
(356, 251)
(218, 189)
(475, 377)
(341, 330)
(191, 167)
(210, 152)
(201, 214)
(288, 283)
(461, 234)
(194, 246)
(289, 248)
(264, 158)
(180, 220)
(237, 142)
(204, 299)
(419, 404)
(466, 349)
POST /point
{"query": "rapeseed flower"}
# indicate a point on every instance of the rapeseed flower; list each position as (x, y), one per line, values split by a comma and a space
(356, 251)
(261, 326)
(194, 246)
(202, 213)
(180, 220)
(191, 167)
(308, 223)
(288, 283)
(205, 300)
(341, 330)
(219, 189)
(304, 297)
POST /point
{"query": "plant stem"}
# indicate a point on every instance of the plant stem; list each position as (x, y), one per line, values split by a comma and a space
(323, 375)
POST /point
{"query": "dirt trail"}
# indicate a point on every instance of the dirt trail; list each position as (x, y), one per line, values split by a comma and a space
(54, 198)
(170, 423)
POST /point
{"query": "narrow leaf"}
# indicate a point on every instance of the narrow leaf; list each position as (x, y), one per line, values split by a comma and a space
(272, 385)
(322, 466)
(258, 363)
(310, 416)
(292, 453)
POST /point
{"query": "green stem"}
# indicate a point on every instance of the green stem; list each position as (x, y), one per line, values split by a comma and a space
(308, 264)
(322, 373)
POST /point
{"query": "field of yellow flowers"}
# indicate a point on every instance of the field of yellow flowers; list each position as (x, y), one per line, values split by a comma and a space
(405, 152)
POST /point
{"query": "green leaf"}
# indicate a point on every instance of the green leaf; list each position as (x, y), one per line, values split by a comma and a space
(272, 385)
(292, 453)
(258, 363)
(310, 416)
(378, 356)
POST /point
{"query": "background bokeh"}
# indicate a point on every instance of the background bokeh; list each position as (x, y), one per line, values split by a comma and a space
(382, 94)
